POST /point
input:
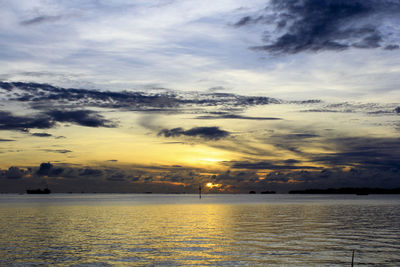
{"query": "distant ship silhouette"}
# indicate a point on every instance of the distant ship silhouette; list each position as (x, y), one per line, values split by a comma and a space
(38, 191)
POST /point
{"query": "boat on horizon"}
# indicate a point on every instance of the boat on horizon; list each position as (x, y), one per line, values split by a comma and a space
(38, 191)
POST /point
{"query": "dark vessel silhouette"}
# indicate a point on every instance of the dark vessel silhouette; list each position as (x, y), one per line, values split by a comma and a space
(38, 191)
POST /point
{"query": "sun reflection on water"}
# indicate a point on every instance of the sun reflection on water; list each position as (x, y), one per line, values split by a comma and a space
(183, 230)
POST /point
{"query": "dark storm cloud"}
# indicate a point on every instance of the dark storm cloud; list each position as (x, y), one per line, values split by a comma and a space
(22, 123)
(40, 19)
(315, 25)
(209, 133)
(81, 117)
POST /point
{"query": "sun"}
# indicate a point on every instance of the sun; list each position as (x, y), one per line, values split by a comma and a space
(211, 185)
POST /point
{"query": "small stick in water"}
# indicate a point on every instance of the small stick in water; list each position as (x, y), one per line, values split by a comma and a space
(352, 259)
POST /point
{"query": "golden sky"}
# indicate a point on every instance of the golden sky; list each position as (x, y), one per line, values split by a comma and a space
(162, 96)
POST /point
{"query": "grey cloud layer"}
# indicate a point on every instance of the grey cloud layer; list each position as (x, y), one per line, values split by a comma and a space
(39, 95)
(57, 104)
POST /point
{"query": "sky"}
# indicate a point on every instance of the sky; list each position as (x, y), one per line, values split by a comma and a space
(163, 96)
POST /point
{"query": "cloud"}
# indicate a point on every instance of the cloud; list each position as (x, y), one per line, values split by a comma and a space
(44, 168)
(261, 165)
(48, 119)
(116, 177)
(22, 123)
(14, 173)
(61, 151)
(41, 134)
(86, 118)
(280, 176)
(362, 152)
(48, 169)
(90, 172)
(40, 95)
(309, 25)
(6, 140)
(233, 116)
(40, 19)
(301, 136)
(392, 47)
(208, 133)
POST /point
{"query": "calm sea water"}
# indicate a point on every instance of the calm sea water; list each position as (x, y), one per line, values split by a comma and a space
(218, 230)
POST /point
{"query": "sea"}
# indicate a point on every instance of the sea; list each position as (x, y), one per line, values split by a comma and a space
(184, 230)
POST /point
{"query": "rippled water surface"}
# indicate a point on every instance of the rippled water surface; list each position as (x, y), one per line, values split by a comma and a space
(222, 230)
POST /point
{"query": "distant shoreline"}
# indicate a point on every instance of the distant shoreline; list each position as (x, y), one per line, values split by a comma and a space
(348, 190)
(332, 191)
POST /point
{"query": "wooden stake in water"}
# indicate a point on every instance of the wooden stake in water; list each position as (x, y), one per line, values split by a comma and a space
(352, 259)
(200, 191)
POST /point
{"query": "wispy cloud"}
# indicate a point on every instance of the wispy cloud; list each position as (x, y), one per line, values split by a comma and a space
(265, 165)
(61, 151)
(41, 134)
(6, 140)
(41, 19)
(234, 116)
(208, 133)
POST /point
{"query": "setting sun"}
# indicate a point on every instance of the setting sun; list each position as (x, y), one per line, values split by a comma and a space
(211, 185)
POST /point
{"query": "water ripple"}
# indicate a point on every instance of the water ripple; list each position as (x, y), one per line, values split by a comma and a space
(307, 232)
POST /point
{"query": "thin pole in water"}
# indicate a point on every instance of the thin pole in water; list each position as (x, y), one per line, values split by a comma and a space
(352, 259)
(200, 191)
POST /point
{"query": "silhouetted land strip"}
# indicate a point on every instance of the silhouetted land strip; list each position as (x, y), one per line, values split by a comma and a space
(268, 192)
(38, 191)
(357, 191)
(263, 192)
